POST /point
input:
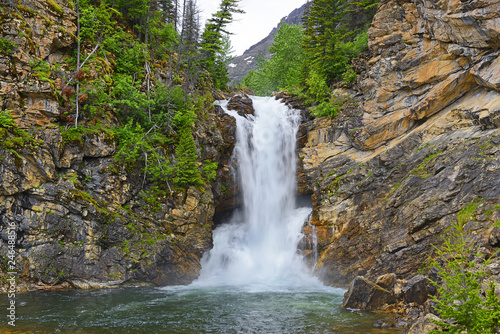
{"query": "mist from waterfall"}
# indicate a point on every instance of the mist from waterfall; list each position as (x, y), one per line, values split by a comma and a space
(259, 244)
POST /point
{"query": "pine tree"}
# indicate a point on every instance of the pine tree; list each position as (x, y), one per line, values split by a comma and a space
(213, 41)
(187, 171)
(189, 54)
(325, 29)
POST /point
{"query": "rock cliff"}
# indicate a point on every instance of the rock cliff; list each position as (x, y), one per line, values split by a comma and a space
(417, 142)
(80, 220)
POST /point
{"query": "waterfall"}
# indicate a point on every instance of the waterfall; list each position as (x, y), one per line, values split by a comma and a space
(259, 244)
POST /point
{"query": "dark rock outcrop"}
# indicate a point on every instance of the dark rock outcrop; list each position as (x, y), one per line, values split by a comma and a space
(366, 295)
(415, 290)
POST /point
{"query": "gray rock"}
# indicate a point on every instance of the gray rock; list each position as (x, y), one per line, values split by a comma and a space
(366, 295)
(424, 325)
(415, 290)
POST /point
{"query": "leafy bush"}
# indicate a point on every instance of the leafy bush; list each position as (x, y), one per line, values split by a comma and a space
(18, 138)
(41, 70)
(283, 69)
(317, 89)
(349, 76)
(186, 169)
(329, 108)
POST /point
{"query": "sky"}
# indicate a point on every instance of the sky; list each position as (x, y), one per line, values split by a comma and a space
(260, 17)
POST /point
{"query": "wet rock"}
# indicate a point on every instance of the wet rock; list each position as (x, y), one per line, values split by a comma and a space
(383, 324)
(366, 295)
(242, 104)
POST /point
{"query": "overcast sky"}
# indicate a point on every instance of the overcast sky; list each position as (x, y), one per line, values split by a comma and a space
(260, 17)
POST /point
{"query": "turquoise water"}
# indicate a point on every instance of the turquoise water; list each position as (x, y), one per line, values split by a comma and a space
(251, 309)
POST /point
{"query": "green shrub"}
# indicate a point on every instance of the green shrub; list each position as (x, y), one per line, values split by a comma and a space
(349, 76)
(6, 120)
(6, 46)
(329, 108)
(460, 300)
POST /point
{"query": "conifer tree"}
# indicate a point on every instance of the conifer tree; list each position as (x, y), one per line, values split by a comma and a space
(213, 41)
(189, 41)
(187, 171)
(325, 29)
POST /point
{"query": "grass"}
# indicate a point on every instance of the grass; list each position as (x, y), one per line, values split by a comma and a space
(422, 169)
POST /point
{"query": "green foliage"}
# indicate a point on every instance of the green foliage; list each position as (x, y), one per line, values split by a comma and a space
(96, 21)
(6, 46)
(6, 120)
(11, 136)
(209, 170)
(330, 108)
(214, 43)
(134, 10)
(336, 32)
(325, 27)
(136, 146)
(76, 136)
(317, 87)
(283, 69)
(123, 61)
(41, 69)
(186, 169)
(163, 37)
(349, 76)
(166, 102)
(460, 298)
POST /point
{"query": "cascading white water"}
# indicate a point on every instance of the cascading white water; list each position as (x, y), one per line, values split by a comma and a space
(259, 245)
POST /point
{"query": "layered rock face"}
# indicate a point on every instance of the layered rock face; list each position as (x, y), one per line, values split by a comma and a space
(79, 218)
(419, 142)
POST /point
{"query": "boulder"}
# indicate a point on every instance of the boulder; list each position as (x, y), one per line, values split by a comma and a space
(366, 295)
(242, 104)
(415, 290)
(425, 325)
(386, 281)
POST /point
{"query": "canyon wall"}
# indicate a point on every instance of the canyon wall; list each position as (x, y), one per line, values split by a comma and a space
(79, 216)
(416, 143)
